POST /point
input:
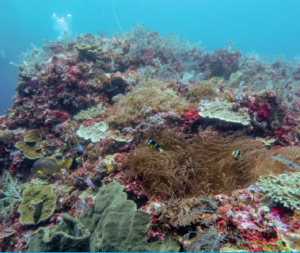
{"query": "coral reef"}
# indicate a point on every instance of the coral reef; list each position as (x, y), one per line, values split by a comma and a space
(11, 193)
(7, 136)
(116, 224)
(90, 113)
(110, 95)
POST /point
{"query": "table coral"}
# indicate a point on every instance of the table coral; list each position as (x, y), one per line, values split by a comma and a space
(225, 112)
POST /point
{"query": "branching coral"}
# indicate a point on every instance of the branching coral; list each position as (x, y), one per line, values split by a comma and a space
(151, 94)
(189, 166)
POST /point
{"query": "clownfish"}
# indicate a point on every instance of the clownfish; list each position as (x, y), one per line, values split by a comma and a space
(237, 154)
(131, 97)
(154, 144)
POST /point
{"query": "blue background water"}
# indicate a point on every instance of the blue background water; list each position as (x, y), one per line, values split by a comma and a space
(269, 27)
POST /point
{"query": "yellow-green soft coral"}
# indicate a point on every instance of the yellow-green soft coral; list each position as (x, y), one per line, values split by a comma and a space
(282, 189)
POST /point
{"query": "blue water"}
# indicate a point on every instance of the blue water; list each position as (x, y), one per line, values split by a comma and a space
(270, 27)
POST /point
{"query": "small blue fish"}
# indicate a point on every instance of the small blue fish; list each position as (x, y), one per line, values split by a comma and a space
(79, 149)
(237, 154)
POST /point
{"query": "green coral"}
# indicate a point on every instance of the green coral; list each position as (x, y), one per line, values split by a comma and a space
(282, 189)
(38, 204)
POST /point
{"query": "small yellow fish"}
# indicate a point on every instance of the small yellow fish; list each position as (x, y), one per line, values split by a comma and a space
(131, 97)
(237, 154)
(147, 78)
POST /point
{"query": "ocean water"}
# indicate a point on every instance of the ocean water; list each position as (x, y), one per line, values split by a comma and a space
(269, 27)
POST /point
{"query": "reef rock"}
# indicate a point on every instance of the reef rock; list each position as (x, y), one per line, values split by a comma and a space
(68, 236)
(225, 112)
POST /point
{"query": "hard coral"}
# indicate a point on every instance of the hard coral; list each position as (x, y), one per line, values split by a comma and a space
(31, 146)
(283, 188)
(225, 112)
(38, 204)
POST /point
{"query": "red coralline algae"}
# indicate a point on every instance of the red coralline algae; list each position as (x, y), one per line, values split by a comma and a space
(190, 116)
(62, 117)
